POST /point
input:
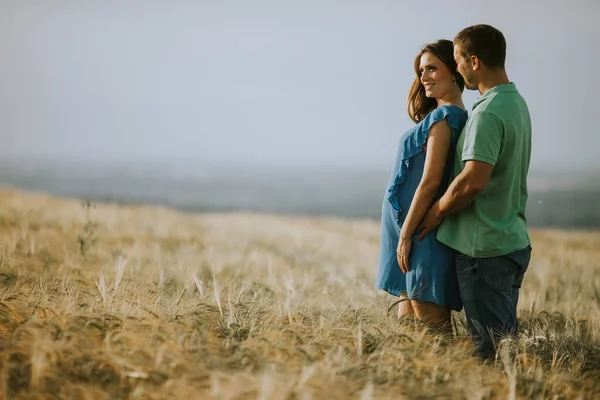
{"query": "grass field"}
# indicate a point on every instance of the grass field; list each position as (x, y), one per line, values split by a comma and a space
(111, 302)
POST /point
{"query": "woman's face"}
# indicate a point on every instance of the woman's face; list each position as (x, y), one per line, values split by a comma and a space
(435, 76)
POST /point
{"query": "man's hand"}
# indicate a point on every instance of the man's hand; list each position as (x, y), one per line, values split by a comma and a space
(430, 222)
(402, 253)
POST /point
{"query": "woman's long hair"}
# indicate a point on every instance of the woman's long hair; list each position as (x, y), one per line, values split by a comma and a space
(419, 105)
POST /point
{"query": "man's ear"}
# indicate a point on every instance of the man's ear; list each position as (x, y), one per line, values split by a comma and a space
(475, 63)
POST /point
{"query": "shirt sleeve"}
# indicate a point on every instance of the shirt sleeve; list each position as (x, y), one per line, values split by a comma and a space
(483, 138)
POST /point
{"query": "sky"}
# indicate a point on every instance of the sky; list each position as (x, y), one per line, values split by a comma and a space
(273, 82)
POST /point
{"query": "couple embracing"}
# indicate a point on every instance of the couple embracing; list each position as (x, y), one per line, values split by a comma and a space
(454, 233)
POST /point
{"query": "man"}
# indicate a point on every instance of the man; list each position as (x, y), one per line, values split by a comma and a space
(483, 210)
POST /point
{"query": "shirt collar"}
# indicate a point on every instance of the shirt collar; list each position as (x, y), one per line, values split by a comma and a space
(504, 88)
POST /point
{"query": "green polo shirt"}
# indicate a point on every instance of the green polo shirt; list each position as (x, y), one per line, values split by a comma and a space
(498, 133)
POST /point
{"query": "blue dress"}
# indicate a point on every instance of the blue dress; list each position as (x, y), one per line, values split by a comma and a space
(432, 274)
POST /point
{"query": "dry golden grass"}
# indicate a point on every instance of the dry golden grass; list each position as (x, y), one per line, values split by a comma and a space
(149, 303)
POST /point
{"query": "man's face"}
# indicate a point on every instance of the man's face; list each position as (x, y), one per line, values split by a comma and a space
(465, 68)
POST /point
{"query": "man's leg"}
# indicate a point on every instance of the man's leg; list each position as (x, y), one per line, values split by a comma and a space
(489, 290)
(467, 269)
(522, 257)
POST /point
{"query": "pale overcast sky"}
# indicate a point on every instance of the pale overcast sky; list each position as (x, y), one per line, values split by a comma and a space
(276, 82)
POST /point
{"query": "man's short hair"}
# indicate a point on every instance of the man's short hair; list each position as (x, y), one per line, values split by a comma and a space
(485, 42)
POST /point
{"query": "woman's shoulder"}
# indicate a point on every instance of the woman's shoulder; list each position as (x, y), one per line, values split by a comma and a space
(446, 110)
(455, 116)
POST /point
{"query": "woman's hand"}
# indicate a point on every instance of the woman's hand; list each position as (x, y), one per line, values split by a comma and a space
(402, 252)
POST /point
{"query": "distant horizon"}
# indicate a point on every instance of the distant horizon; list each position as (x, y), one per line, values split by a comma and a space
(96, 162)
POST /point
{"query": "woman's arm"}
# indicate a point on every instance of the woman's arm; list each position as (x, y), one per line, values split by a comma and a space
(438, 145)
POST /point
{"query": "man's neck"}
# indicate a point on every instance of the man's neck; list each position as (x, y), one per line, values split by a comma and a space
(493, 79)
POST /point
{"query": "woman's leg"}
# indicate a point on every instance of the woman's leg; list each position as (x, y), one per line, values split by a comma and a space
(436, 316)
(405, 308)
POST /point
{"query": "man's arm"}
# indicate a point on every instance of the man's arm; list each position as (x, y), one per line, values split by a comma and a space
(461, 192)
(481, 149)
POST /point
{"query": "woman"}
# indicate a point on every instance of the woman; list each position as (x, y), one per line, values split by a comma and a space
(422, 271)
